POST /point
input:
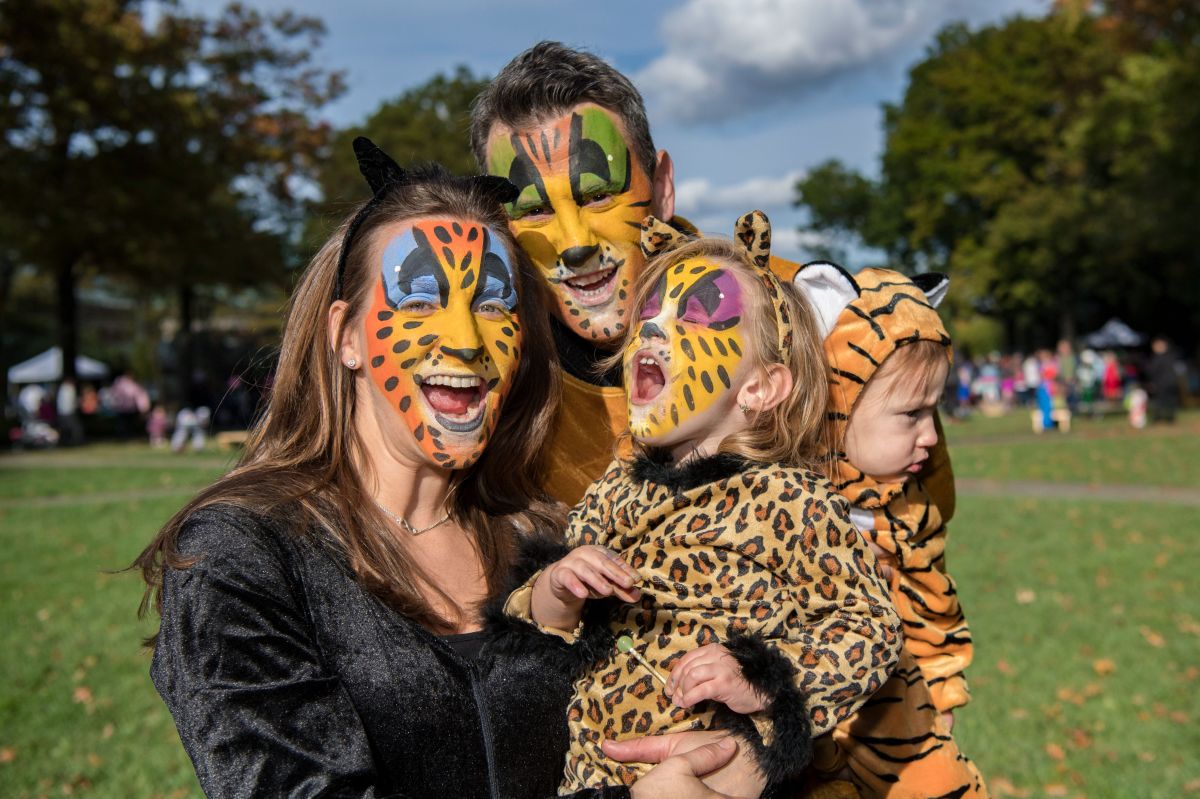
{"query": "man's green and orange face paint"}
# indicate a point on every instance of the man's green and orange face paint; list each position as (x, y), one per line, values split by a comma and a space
(687, 352)
(583, 194)
(443, 337)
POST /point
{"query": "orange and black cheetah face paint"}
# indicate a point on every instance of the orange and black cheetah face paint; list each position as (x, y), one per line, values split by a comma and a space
(443, 335)
(582, 198)
(687, 353)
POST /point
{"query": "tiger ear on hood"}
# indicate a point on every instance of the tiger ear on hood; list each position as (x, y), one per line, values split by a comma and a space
(934, 284)
(828, 288)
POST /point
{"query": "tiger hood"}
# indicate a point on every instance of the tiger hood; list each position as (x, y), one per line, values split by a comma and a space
(863, 319)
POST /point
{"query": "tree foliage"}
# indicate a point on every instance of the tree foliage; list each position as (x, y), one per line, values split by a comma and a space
(1049, 165)
(155, 147)
(430, 122)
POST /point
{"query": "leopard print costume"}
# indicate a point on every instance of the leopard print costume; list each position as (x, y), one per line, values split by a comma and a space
(897, 745)
(759, 557)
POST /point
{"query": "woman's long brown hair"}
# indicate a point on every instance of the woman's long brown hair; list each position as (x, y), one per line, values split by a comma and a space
(302, 459)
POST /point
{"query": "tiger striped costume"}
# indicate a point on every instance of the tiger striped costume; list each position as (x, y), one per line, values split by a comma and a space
(897, 745)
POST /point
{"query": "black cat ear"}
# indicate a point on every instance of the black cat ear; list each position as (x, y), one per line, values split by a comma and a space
(934, 284)
(377, 166)
(498, 188)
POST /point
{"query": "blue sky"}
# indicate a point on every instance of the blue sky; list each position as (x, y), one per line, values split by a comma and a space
(744, 94)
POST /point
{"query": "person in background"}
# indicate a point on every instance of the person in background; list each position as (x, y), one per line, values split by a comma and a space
(1162, 378)
(70, 429)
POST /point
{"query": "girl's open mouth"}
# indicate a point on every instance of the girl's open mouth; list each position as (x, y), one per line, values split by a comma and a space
(648, 378)
(457, 401)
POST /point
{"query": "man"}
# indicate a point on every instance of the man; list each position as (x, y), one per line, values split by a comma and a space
(571, 132)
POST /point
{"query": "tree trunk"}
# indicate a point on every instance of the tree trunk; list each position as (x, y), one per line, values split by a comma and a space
(185, 345)
(68, 322)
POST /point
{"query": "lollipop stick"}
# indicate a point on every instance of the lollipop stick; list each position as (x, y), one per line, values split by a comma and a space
(625, 644)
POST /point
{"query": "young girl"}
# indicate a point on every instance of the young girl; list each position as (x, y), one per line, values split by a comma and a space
(888, 357)
(748, 600)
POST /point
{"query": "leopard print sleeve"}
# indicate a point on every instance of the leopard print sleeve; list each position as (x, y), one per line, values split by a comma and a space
(590, 521)
(850, 635)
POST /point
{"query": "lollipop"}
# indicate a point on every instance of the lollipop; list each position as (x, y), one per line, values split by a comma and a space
(625, 644)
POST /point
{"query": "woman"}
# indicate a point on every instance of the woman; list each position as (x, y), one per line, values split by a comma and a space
(323, 604)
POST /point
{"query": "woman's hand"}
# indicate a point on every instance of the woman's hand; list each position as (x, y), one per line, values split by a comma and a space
(587, 572)
(711, 672)
(736, 776)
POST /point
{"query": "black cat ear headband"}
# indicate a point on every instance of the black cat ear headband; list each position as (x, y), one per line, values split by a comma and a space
(384, 175)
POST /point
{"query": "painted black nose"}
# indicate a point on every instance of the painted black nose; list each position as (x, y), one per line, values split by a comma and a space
(650, 330)
(464, 355)
(576, 257)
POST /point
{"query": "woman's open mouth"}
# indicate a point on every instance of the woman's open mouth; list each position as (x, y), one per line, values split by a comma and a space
(457, 401)
(648, 378)
(594, 288)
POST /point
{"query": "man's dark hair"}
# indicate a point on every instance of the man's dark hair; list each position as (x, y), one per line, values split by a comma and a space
(549, 79)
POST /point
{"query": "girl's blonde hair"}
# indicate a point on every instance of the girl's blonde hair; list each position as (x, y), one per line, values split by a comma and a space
(794, 432)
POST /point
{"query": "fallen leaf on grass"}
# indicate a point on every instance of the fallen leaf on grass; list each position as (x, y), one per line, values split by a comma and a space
(1080, 739)
(1146, 757)
(1104, 667)
(1065, 694)
(1186, 624)
(1191, 673)
(82, 695)
(1179, 717)
(1055, 752)
(7, 754)
(107, 732)
(1191, 786)
(1154, 639)
(1002, 787)
(1004, 667)
(1026, 596)
(1055, 789)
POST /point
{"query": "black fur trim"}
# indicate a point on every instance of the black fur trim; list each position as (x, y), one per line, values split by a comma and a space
(656, 468)
(773, 675)
(510, 635)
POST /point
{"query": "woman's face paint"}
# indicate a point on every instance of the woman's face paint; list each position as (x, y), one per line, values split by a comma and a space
(443, 337)
(686, 354)
(583, 195)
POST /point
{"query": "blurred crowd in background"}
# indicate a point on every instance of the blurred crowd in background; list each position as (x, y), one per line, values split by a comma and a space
(1056, 386)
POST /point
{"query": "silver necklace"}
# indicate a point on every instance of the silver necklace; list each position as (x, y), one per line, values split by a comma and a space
(406, 526)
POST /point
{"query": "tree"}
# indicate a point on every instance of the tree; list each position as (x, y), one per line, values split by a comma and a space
(430, 122)
(153, 146)
(1048, 165)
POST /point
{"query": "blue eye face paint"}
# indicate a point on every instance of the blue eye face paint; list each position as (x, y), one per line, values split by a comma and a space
(444, 335)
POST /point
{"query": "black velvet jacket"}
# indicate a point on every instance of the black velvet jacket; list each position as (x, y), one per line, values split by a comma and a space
(285, 677)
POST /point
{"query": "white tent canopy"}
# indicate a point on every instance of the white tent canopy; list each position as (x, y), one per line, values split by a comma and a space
(47, 368)
(1114, 333)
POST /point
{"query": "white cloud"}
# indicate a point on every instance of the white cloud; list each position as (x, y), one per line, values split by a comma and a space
(726, 57)
(700, 198)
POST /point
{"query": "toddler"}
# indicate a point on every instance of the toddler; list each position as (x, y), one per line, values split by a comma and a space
(740, 593)
(888, 356)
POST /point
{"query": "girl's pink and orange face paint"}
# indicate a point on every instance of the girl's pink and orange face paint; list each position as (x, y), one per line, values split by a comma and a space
(443, 335)
(686, 353)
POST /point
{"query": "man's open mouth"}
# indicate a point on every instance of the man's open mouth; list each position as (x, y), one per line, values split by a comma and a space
(649, 378)
(457, 401)
(594, 288)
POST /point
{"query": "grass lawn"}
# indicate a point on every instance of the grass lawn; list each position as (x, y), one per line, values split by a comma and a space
(1104, 452)
(1087, 626)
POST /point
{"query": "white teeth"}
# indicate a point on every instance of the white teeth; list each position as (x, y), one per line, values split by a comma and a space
(453, 381)
(648, 361)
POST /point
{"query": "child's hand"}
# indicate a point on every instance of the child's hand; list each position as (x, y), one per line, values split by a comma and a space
(587, 572)
(948, 720)
(711, 672)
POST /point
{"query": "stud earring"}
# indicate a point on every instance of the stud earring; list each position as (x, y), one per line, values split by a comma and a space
(743, 408)
(350, 364)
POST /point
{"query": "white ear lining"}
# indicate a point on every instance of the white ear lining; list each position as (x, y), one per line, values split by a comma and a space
(828, 290)
(937, 290)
